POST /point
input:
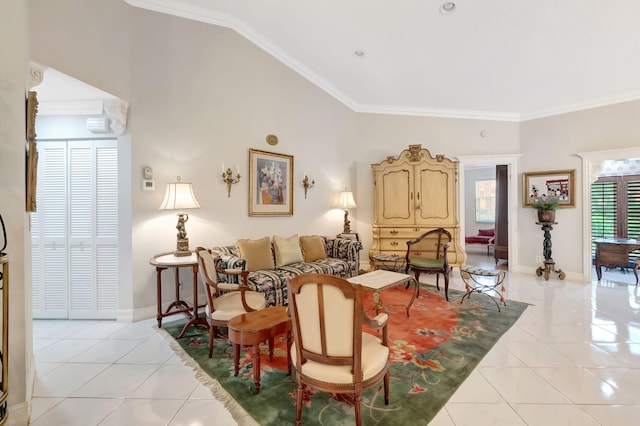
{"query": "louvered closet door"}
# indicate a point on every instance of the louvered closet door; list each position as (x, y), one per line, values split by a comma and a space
(91, 213)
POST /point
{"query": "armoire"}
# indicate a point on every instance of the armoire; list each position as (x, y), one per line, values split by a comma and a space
(414, 193)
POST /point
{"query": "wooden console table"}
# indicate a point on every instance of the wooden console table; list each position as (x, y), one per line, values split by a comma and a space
(614, 252)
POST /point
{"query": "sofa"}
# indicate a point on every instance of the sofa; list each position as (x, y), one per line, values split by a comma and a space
(273, 261)
(485, 236)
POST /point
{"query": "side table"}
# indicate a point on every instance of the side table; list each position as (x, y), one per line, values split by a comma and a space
(168, 260)
(390, 262)
(255, 327)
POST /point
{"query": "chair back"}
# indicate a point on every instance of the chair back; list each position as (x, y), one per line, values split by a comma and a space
(208, 274)
(430, 245)
(326, 313)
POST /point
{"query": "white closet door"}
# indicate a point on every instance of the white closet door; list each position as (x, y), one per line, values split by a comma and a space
(49, 233)
(90, 204)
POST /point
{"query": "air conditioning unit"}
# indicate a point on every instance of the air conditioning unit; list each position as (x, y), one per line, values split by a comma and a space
(99, 125)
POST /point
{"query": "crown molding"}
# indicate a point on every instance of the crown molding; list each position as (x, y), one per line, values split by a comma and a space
(90, 107)
(439, 113)
(593, 103)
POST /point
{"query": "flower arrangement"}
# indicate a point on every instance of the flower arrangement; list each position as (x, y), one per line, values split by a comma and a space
(271, 175)
(545, 203)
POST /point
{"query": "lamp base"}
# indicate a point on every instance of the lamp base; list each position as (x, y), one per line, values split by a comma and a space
(347, 223)
(182, 248)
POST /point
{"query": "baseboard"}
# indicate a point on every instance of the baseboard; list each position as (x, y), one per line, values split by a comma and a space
(18, 414)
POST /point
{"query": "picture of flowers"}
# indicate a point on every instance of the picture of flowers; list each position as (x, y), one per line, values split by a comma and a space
(270, 184)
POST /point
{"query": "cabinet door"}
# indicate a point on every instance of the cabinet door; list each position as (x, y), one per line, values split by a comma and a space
(394, 193)
(435, 192)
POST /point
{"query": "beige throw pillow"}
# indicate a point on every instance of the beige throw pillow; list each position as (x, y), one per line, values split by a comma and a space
(257, 253)
(287, 250)
(313, 247)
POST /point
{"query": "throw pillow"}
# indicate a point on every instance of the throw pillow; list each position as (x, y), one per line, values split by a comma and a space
(287, 250)
(313, 248)
(257, 253)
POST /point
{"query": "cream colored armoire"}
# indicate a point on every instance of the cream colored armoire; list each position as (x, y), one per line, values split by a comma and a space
(414, 193)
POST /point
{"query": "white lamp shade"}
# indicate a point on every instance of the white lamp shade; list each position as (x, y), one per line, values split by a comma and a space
(346, 200)
(179, 196)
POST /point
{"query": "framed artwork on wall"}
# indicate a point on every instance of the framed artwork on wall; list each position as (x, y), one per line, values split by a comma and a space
(559, 184)
(270, 184)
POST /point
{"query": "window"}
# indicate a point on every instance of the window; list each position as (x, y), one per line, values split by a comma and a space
(486, 201)
(615, 208)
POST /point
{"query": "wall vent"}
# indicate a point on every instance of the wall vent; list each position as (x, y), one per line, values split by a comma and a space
(99, 125)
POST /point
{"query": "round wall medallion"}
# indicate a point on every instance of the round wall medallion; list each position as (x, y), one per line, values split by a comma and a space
(272, 139)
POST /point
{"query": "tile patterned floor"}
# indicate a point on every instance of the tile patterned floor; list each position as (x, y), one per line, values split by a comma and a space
(573, 358)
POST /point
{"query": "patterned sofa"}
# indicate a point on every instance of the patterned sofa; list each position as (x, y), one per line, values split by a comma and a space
(340, 258)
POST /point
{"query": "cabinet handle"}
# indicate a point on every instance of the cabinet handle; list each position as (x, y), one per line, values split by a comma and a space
(418, 202)
(393, 232)
(394, 243)
(411, 195)
(416, 229)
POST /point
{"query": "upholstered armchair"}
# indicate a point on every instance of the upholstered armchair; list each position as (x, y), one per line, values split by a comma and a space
(330, 350)
(428, 254)
(224, 300)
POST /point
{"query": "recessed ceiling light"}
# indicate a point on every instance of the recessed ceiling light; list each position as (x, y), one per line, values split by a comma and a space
(447, 7)
(358, 53)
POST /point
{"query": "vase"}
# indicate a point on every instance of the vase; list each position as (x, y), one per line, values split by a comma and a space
(546, 215)
(275, 195)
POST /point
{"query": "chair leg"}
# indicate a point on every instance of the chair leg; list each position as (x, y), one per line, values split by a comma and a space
(438, 282)
(386, 387)
(212, 332)
(357, 403)
(299, 391)
(446, 285)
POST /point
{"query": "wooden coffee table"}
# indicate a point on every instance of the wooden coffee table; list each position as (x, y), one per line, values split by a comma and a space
(253, 328)
(381, 279)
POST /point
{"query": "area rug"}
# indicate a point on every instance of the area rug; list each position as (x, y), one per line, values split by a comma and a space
(432, 353)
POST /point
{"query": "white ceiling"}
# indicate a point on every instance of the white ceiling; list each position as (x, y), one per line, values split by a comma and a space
(488, 59)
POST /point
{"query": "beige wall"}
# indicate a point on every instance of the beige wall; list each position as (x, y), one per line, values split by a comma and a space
(13, 80)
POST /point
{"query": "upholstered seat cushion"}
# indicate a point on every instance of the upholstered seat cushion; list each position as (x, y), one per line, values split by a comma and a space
(374, 357)
(423, 263)
(229, 305)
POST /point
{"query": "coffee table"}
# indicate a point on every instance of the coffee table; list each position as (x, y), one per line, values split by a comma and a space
(382, 279)
(255, 327)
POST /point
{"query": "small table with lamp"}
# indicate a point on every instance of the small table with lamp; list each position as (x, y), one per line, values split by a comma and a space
(169, 260)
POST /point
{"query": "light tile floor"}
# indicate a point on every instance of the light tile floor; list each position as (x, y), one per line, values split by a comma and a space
(573, 358)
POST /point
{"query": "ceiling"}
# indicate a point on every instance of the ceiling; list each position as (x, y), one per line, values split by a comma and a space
(487, 59)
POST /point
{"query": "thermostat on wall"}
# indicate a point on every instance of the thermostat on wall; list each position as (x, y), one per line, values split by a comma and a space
(148, 185)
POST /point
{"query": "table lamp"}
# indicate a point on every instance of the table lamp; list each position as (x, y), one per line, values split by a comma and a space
(179, 196)
(347, 202)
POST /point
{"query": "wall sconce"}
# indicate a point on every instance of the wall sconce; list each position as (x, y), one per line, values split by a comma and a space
(347, 202)
(307, 185)
(179, 196)
(227, 177)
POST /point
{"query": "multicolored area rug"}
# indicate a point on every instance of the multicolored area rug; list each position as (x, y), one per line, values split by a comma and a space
(432, 353)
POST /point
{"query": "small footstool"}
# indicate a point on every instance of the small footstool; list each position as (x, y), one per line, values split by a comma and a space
(483, 281)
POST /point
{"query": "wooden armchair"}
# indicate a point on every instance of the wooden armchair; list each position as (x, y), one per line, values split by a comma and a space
(428, 254)
(330, 351)
(224, 300)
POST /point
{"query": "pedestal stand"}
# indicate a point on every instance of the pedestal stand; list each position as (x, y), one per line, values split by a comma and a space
(549, 264)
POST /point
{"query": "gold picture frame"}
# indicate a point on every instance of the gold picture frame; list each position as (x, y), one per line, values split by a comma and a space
(31, 152)
(270, 183)
(553, 183)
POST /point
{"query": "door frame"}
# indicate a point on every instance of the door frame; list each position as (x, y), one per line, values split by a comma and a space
(513, 163)
(591, 168)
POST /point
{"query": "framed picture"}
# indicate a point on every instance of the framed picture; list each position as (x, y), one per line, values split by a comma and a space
(270, 184)
(555, 183)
